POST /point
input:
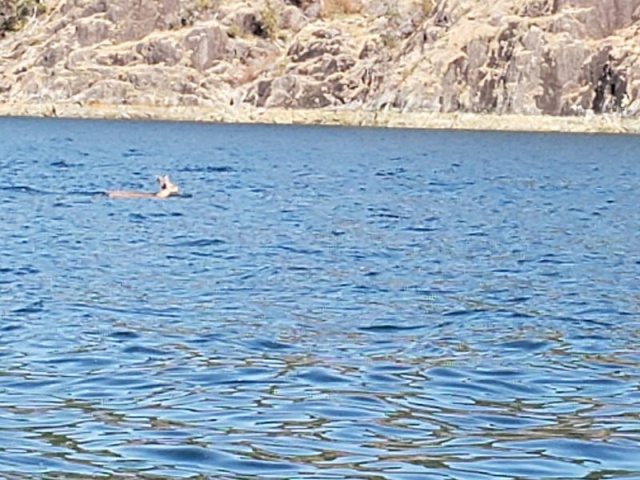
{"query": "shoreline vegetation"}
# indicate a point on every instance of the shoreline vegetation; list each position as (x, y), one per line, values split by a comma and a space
(332, 117)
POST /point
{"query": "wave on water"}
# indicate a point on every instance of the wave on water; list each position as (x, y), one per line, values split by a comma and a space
(325, 303)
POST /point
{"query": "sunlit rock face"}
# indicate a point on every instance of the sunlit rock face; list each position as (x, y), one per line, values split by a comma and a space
(558, 57)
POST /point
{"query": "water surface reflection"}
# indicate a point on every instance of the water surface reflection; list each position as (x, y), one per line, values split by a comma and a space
(323, 303)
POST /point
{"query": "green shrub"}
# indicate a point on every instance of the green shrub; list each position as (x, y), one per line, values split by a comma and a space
(268, 22)
(15, 14)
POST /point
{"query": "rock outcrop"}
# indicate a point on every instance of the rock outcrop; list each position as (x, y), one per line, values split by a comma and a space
(556, 57)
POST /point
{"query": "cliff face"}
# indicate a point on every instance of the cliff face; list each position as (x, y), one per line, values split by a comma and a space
(559, 57)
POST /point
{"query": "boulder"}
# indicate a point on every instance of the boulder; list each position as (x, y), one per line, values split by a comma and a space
(90, 31)
(207, 44)
(159, 50)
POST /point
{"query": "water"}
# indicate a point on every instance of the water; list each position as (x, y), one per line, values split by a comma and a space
(321, 303)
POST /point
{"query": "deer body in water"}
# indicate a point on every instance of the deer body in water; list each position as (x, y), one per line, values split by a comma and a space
(167, 189)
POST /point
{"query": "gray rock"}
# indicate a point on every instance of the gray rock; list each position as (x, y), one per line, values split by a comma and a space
(207, 44)
(558, 57)
(92, 30)
(159, 51)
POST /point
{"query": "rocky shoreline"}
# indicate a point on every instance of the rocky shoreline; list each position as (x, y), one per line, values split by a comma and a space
(553, 65)
(337, 117)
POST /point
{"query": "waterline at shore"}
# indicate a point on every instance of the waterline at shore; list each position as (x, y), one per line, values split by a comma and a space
(364, 118)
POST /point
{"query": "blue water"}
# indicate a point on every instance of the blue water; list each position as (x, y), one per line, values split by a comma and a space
(321, 303)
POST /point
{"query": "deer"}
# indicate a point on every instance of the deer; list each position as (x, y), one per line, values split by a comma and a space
(167, 189)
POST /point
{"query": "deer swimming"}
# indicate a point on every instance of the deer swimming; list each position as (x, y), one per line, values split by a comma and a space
(167, 189)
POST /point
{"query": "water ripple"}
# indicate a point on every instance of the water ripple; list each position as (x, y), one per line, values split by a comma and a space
(316, 307)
